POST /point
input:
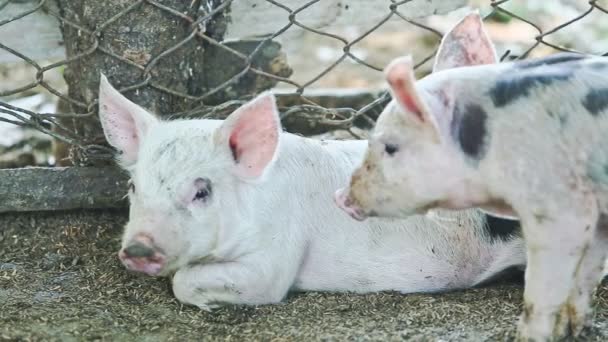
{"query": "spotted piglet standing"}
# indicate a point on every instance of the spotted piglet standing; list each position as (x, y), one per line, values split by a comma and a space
(525, 139)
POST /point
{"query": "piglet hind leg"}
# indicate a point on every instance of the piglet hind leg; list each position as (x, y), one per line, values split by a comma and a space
(561, 254)
(208, 286)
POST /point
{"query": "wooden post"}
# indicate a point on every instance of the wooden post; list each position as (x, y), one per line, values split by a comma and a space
(154, 50)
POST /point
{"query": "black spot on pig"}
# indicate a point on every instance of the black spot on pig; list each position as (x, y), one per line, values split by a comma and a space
(558, 58)
(469, 129)
(501, 228)
(512, 87)
(596, 101)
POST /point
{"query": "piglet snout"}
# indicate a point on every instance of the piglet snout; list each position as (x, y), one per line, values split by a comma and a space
(141, 255)
(138, 250)
(344, 202)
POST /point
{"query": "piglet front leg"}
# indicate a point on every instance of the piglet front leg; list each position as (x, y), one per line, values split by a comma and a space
(207, 285)
(560, 275)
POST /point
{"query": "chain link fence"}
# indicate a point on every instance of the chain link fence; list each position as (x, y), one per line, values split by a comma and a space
(161, 68)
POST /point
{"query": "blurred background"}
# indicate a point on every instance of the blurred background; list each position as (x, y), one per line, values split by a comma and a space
(312, 56)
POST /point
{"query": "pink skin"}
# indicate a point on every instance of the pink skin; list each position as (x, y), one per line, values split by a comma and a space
(151, 264)
(345, 203)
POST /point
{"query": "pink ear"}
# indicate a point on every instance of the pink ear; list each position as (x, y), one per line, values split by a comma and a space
(400, 76)
(124, 123)
(253, 133)
(466, 44)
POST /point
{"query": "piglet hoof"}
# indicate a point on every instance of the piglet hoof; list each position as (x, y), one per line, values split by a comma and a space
(189, 292)
(568, 321)
(534, 329)
(208, 307)
(195, 297)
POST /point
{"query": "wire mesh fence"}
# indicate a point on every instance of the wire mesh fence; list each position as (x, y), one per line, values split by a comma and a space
(166, 70)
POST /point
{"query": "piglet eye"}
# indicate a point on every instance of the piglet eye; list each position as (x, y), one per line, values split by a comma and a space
(203, 191)
(391, 149)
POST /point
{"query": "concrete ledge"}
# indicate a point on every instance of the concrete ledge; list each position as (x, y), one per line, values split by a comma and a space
(62, 188)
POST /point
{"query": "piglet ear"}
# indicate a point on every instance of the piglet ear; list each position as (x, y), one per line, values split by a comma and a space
(251, 134)
(124, 123)
(466, 44)
(402, 81)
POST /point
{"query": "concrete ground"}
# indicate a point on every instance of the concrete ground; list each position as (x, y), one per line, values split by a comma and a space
(60, 280)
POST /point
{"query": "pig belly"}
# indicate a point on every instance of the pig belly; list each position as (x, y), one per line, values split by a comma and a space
(430, 262)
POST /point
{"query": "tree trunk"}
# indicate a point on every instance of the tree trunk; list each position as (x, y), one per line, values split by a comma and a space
(137, 34)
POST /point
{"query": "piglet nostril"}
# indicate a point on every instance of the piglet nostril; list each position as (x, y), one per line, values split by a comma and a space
(347, 201)
(138, 250)
(341, 198)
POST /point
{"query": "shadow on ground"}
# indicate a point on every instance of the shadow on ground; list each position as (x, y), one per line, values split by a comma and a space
(60, 279)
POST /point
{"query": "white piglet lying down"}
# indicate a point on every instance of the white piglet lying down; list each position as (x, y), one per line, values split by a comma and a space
(239, 212)
(242, 213)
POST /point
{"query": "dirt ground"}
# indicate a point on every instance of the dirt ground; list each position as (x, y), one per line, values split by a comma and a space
(60, 279)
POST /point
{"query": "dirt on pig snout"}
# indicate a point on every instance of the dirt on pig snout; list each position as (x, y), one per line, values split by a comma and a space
(60, 279)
